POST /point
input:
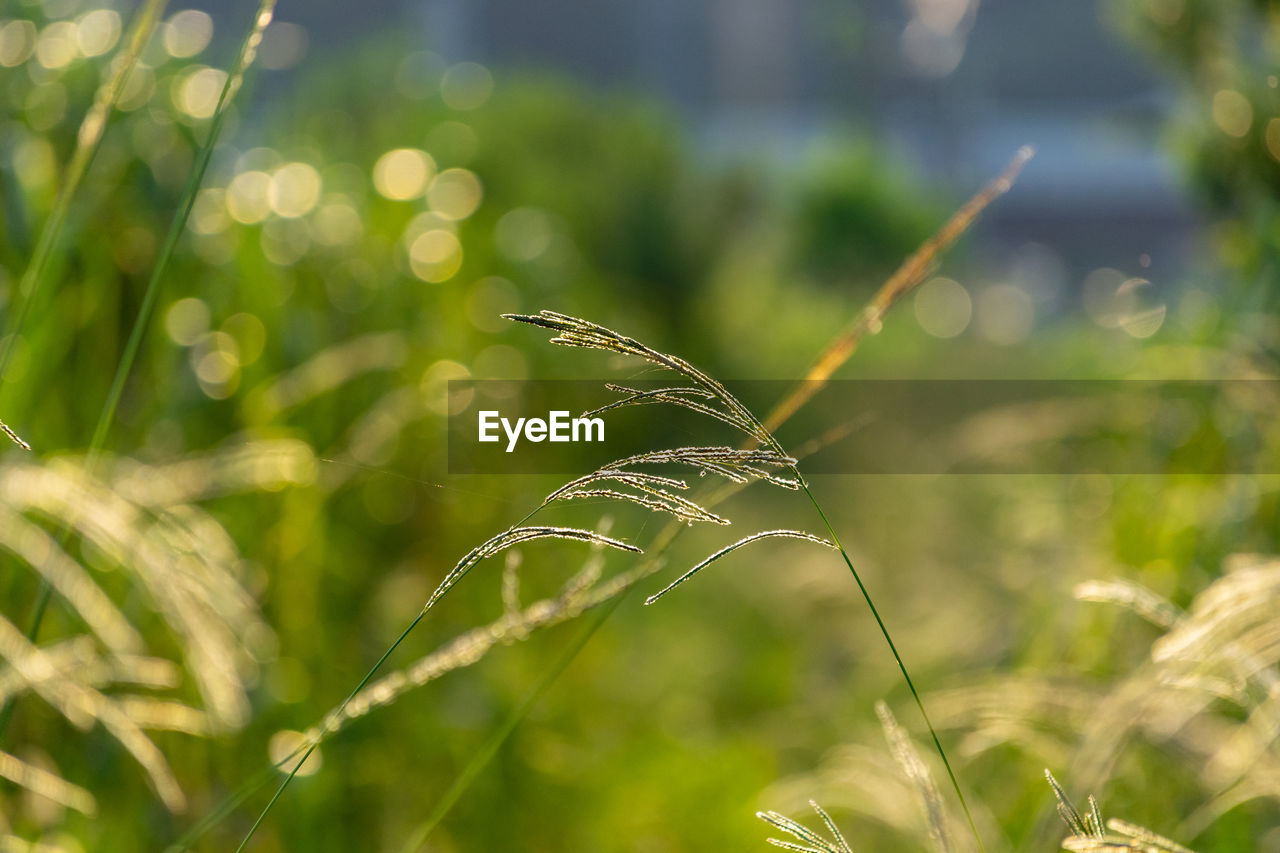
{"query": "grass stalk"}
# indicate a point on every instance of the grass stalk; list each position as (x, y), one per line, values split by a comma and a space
(284, 783)
(248, 50)
(906, 278)
(897, 657)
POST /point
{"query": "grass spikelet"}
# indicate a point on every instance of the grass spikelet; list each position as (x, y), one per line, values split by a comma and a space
(812, 842)
(13, 436)
(515, 536)
(636, 479)
(511, 582)
(1070, 815)
(652, 497)
(682, 508)
(1093, 820)
(1089, 835)
(676, 397)
(736, 465)
(728, 549)
(904, 752)
(576, 332)
(836, 835)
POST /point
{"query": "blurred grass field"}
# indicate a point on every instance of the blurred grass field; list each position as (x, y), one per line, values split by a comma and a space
(272, 504)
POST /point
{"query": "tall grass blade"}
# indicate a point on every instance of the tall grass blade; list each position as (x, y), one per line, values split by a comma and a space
(248, 51)
(746, 540)
(902, 667)
(88, 139)
(906, 278)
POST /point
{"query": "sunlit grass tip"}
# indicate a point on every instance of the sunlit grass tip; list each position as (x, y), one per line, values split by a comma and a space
(809, 841)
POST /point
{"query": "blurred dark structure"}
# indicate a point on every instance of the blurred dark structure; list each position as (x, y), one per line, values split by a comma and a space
(953, 87)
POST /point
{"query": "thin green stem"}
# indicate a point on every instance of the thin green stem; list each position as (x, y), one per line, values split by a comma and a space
(227, 806)
(315, 742)
(902, 667)
(485, 753)
(884, 631)
(247, 51)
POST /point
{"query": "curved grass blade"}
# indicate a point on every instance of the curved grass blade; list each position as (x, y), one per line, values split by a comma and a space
(248, 51)
(765, 534)
(514, 536)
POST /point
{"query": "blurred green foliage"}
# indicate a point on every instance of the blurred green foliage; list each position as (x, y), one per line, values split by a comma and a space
(308, 303)
(1226, 56)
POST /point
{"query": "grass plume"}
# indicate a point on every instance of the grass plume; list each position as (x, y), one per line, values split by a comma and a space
(706, 396)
